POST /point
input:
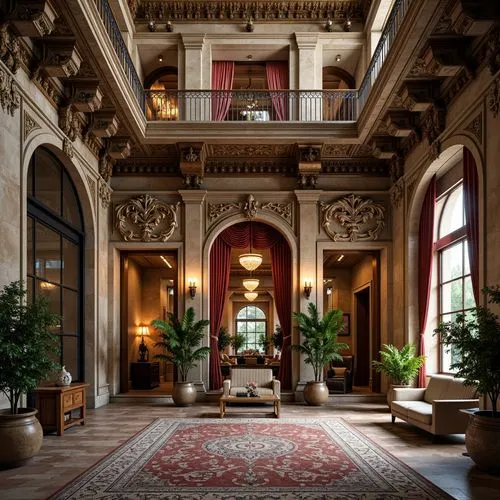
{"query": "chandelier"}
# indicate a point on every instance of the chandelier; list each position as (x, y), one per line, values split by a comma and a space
(251, 284)
(251, 296)
(250, 261)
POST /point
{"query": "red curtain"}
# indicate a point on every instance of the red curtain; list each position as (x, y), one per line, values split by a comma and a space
(425, 250)
(471, 203)
(220, 265)
(222, 79)
(261, 236)
(277, 79)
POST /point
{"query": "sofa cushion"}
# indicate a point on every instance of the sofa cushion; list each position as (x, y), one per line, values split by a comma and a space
(403, 407)
(421, 413)
(339, 372)
(448, 387)
(263, 377)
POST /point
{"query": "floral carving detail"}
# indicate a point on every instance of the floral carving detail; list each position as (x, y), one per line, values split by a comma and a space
(284, 210)
(104, 194)
(29, 125)
(146, 219)
(68, 148)
(397, 192)
(10, 98)
(475, 127)
(361, 218)
(493, 99)
(216, 210)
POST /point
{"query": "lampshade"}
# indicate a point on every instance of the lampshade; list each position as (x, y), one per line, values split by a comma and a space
(251, 296)
(143, 330)
(251, 284)
(250, 261)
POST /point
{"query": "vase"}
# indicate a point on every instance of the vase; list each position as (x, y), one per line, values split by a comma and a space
(63, 378)
(316, 393)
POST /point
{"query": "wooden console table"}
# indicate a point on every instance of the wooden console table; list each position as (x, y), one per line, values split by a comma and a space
(145, 375)
(56, 405)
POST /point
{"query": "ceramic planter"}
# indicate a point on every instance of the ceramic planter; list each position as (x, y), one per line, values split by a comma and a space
(184, 394)
(482, 440)
(316, 393)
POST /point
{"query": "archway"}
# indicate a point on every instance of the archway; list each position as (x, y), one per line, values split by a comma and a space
(259, 236)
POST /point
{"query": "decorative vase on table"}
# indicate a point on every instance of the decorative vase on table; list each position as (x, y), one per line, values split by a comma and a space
(251, 388)
(64, 378)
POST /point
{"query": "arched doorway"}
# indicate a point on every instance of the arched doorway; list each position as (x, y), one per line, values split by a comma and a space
(257, 235)
(55, 244)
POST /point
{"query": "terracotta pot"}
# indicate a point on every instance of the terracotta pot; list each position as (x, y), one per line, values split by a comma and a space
(184, 394)
(482, 440)
(390, 394)
(316, 393)
(21, 436)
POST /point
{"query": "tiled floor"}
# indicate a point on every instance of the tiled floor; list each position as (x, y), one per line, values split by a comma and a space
(63, 458)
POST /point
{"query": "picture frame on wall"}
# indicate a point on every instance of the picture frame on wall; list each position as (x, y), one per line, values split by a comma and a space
(347, 325)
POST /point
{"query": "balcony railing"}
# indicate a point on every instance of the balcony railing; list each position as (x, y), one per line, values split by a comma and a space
(391, 29)
(252, 105)
(121, 49)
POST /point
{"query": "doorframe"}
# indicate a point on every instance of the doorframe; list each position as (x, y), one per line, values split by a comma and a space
(354, 291)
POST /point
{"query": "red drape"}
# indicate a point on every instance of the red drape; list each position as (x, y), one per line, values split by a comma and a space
(222, 79)
(471, 203)
(277, 79)
(263, 236)
(425, 248)
(220, 265)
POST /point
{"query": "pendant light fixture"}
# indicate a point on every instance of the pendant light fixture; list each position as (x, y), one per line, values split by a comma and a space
(250, 261)
(251, 296)
(251, 283)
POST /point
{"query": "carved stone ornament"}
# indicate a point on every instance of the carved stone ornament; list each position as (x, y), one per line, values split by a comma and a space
(492, 55)
(216, 210)
(493, 99)
(475, 127)
(69, 122)
(29, 125)
(104, 194)
(68, 148)
(10, 98)
(397, 192)
(353, 218)
(251, 206)
(146, 219)
(10, 49)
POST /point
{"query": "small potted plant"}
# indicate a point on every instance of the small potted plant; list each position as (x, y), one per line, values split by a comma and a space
(224, 339)
(400, 365)
(319, 347)
(475, 338)
(237, 342)
(181, 341)
(277, 338)
(28, 348)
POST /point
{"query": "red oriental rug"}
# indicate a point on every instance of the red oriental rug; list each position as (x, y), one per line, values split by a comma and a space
(248, 459)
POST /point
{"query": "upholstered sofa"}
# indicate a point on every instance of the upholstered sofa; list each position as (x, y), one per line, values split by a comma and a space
(435, 408)
(340, 375)
(240, 376)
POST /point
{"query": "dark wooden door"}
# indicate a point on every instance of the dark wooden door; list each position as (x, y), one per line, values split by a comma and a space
(362, 372)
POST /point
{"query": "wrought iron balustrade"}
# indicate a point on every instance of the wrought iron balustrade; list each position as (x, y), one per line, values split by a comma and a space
(396, 18)
(252, 105)
(121, 50)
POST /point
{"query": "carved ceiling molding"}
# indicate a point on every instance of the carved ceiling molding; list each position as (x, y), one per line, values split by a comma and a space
(10, 97)
(353, 218)
(493, 99)
(215, 10)
(282, 166)
(249, 150)
(335, 150)
(397, 193)
(475, 127)
(142, 166)
(355, 167)
(30, 124)
(250, 209)
(146, 219)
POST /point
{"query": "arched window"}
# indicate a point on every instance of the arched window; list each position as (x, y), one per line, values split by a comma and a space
(55, 236)
(251, 322)
(455, 285)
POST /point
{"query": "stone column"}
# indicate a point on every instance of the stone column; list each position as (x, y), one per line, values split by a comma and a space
(308, 218)
(194, 230)
(310, 76)
(194, 107)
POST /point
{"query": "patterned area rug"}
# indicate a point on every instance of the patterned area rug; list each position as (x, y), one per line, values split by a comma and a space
(248, 459)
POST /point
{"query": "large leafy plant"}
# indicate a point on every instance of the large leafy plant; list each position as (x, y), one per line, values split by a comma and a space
(224, 339)
(28, 347)
(277, 338)
(400, 365)
(180, 340)
(238, 341)
(475, 338)
(320, 344)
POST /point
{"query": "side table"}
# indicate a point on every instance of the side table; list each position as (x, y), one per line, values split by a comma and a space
(56, 406)
(145, 375)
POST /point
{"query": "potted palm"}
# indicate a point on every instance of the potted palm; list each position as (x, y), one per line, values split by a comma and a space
(237, 342)
(224, 339)
(28, 348)
(475, 338)
(180, 340)
(400, 365)
(319, 347)
(277, 338)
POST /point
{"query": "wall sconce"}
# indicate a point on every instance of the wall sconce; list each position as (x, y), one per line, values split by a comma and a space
(347, 24)
(143, 348)
(192, 288)
(307, 288)
(152, 26)
(338, 58)
(249, 27)
(169, 27)
(329, 26)
(329, 290)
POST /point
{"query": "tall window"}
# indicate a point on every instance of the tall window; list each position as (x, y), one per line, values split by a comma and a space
(55, 251)
(455, 285)
(251, 322)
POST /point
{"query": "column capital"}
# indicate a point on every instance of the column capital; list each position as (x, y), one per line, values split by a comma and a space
(192, 196)
(310, 196)
(307, 41)
(193, 42)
